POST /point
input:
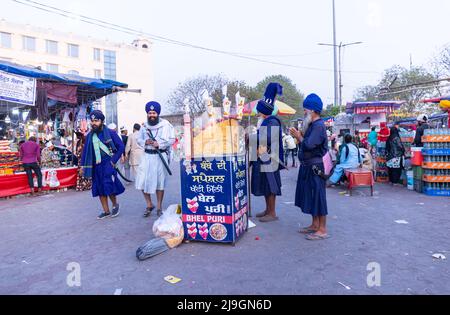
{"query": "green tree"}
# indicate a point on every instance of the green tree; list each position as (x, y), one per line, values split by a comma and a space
(332, 111)
(399, 83)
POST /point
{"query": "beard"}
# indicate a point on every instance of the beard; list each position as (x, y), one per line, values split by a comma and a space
(153, 121)
(307, 122)
(96, 128)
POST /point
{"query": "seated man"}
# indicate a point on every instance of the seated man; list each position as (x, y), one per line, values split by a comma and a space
(349, 158)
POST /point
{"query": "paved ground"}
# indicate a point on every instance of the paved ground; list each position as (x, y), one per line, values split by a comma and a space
(41, 236)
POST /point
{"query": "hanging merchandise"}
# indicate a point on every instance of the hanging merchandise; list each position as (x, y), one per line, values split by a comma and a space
(66, 117)
(82, 112)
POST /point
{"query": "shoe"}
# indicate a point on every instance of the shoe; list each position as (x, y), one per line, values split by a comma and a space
(148, 212)
(159, 212)
(115, 211)
(262, 214)
(103, 215)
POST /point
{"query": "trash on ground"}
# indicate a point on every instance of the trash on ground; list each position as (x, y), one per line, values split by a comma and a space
(169, 233)
(118, 292)
(402, 222)
(257, 238)
(251, 224)
(345, 286)
(172, 279)
(439, 256)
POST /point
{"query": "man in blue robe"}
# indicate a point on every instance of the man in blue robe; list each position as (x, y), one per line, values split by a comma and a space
(101, 152)
(266, 180)
(310, 195)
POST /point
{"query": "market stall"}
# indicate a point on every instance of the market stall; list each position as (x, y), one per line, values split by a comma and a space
(214, 178)
(52, 107)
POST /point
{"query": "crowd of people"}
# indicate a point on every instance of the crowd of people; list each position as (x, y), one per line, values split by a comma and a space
(144, 158)
(323, 158)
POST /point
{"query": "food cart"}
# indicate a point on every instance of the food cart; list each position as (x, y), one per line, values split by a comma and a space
(214, 177)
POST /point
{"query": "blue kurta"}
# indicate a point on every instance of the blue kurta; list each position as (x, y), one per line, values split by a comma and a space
(310, 195)
(105, 181)
(266, 183)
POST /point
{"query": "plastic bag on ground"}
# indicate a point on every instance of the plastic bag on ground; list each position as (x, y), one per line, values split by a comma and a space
(169, 225)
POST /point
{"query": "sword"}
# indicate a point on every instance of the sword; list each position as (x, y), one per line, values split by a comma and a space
(159, 153)
(121, 175)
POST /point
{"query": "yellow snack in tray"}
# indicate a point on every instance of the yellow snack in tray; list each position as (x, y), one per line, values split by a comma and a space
(217, 139)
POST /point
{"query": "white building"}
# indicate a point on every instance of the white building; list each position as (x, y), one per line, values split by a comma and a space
(69, 53)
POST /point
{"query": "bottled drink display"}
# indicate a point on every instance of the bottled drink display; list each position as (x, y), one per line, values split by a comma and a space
(437, 132)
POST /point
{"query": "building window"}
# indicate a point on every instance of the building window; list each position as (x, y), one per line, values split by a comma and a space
(97, 74)
(52, 67)
(5, 40)
(75, 72)
(29, 43)
(109, 60)
(97, 54)
(51, 47)
(73, 50)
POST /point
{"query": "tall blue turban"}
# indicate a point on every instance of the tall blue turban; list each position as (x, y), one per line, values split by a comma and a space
(266, 106)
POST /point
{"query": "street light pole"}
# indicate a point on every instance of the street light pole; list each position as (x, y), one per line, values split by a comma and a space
(336, 90)
(339, 84)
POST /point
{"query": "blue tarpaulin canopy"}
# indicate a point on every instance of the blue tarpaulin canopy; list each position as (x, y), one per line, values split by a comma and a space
(86, 87)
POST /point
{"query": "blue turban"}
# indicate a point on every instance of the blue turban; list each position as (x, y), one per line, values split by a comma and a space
(97, 114)
(153, 106)
(267, 105)
(313, 102)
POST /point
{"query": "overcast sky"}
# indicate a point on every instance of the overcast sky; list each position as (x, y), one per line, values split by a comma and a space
(390, 29)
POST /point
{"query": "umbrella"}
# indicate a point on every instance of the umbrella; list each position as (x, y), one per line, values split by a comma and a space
(281, 109)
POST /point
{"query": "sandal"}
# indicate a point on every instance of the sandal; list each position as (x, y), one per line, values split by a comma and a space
(268, 218)
(148, 212)
(316, 237)
(262, 214)
(307, 231)
(159, 212)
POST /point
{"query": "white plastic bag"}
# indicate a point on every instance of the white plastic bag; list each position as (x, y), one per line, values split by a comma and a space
(169, 225)
(53, 181)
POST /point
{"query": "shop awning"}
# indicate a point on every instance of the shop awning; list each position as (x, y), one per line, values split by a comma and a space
(86, 87)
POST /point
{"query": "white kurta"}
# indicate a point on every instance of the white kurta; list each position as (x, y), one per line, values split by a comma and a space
(152, 175)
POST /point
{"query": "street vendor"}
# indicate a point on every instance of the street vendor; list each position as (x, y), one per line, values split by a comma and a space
(156, 137)
(49, 158)
(266, 180)
(422, 125)
(102, 150)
